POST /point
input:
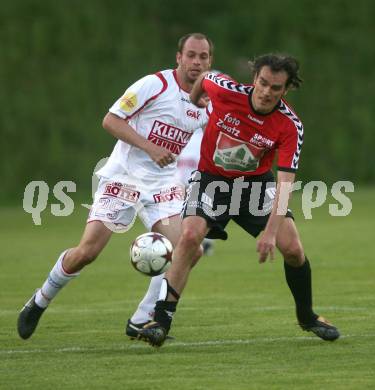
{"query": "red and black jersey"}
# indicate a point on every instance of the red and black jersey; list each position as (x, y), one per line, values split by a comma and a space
(241, 142)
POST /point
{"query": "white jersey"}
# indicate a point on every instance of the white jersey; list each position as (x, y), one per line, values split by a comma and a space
(189, 158)
(158, 109)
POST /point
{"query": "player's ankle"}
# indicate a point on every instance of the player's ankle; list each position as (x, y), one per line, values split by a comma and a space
(164, 311)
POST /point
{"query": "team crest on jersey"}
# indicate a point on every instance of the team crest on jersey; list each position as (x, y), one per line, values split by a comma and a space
(169, 137)
(128, 102)
(235, 155)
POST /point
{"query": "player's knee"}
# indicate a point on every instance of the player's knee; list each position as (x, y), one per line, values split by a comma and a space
(191, 238)
(294, 254)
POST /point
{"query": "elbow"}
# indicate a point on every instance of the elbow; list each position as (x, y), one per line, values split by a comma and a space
(108, 122)
(105, 122)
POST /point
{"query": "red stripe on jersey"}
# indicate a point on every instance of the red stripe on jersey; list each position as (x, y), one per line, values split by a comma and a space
(164, 87)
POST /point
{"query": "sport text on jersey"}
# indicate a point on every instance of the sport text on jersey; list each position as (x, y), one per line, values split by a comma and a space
(261, 141)
(169, 137)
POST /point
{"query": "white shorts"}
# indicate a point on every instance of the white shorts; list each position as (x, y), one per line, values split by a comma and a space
(117, 204)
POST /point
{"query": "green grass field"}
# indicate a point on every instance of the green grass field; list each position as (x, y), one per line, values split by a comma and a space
(235, 327)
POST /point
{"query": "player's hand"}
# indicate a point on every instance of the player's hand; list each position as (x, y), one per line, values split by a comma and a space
(160, 155)
(203, 101)
(266, 247)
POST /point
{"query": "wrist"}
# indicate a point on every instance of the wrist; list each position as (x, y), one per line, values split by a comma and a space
(146, 146)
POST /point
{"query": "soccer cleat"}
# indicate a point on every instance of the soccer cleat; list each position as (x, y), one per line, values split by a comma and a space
(322, 328)
(132, 330)
(28, 318)
(153, 333)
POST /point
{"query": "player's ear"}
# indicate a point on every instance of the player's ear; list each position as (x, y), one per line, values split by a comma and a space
(178, 58)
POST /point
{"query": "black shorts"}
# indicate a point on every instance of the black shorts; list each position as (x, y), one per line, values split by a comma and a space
(245, 200)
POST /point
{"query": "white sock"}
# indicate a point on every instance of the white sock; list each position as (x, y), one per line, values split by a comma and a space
(56, 280)
(145, 310)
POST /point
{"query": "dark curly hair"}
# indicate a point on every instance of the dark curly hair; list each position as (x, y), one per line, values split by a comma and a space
(277, 63)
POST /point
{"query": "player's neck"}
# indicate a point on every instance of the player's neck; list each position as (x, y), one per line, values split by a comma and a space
(182, 82)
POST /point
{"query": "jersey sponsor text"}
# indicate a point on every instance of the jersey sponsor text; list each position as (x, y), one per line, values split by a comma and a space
(169, 137)
(121, 191)
(170, 194)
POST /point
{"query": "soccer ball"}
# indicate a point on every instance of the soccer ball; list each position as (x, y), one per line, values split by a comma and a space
(151, 253)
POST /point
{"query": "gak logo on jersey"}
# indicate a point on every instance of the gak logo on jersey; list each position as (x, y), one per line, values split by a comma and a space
(193, 114)
(169, 137)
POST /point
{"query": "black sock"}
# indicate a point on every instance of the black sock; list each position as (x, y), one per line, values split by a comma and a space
(299, 282)
(164, 311)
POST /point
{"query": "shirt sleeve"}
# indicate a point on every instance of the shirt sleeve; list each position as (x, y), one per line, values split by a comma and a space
(221, 88)
(211, 85)
(137, 96)
(290, 147)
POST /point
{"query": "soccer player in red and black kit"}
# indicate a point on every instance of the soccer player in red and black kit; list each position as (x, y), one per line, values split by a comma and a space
(249, 123)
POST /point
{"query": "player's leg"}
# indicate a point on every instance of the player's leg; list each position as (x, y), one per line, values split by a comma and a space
(298, 277)
(194, 229)
(162, 215)
(71, 261)
(195, 226)
(67, 267)
(171, 228)
(297, 269)
(186, 252)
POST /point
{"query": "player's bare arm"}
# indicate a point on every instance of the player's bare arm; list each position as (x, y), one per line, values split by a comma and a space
(120, 129)
(267, 243)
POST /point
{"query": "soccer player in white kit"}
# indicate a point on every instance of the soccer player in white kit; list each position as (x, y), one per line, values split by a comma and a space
(153, 121)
